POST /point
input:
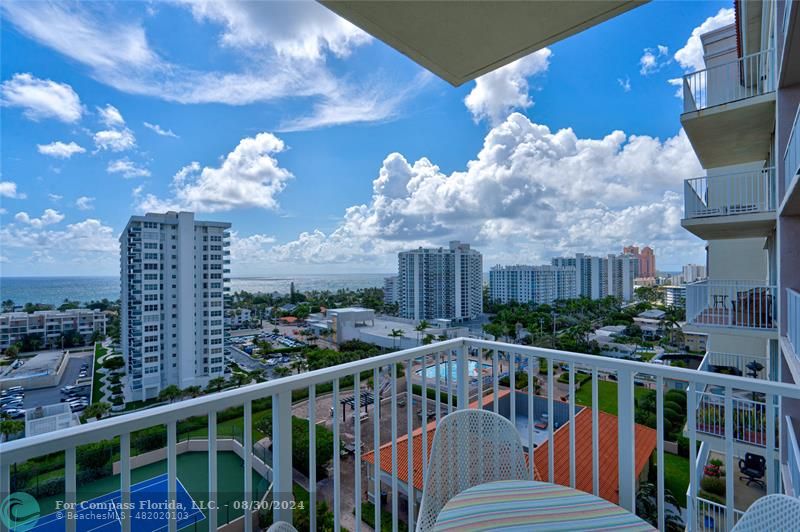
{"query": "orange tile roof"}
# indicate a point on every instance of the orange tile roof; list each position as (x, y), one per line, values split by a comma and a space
(609, 477)
(288, 319)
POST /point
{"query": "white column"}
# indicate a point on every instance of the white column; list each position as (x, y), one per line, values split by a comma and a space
(625, 427)
(212, 470)
(125, 480)
(172, 470)
(282, 456)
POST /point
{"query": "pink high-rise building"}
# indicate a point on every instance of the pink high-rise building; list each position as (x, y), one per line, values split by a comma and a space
(646, 257)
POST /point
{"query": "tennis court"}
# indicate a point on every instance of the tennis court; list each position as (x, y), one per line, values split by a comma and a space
(149, 514)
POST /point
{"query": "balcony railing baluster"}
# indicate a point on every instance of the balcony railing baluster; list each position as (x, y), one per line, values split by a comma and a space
(410, 441)
(212, 468)
(337, 452)
(531, 392)
(572, 424)
(376, 439)
(659, 450)
(595, 434)
(550, 422)
(394, 447)
(312, 455)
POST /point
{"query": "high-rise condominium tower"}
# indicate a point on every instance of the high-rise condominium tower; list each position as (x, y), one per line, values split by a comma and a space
(646, 259)
(440, 283)
(174, 278)
(532, 284)
(598, 277)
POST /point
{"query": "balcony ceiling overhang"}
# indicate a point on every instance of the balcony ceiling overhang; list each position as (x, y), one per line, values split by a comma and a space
(460, 40)
(732, 133)
(753, 225)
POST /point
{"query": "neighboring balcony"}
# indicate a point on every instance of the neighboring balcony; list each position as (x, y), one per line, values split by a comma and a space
(364, 411)
(793, 322)
(753, 366)
(737, 205)
(743, 305)
(729, 110)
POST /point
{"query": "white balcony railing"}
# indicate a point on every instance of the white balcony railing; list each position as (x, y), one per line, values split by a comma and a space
(792, 457)
(749, 416)
(726, 195)
(752, 366)
(406, 378)
(793, 319)
(745, 304)
(791, 158)
(748, 76)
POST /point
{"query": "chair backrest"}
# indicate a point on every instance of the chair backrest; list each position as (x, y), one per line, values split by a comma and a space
(755, 461)
(470, 447)
(773, 512)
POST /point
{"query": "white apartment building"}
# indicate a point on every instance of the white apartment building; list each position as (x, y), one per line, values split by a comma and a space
(50, 325)
(390, 290)
(674, 295)
(693, 272)
(532, 284)
(174, 273)
(440, 283)
(598, 277)
(238, 317)
(742, 117)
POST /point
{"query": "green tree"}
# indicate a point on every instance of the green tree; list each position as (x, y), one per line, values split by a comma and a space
(193, 391)
(171, 393)
(216, 384)
(241, 379)
(10, 427)
(647, 507)
(97, 410)
(395, 334)
(12, 351)
(8, 305)
(281, 371)
(420, 328)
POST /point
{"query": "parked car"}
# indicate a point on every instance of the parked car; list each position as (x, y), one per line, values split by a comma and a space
(13, 390)
(14, 413)
(11, 399)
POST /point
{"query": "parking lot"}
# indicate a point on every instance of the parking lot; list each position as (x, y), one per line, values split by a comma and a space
(52, 394)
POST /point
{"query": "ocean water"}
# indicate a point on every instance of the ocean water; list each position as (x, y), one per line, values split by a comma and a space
(54, 290)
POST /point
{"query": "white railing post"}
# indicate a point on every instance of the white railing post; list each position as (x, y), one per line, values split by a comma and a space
(462, 370)
(125, 480)
(247, 453)
(172, 469)
(5, 487)
(626, 438)
(282, 456)
(691, 419)
(660, 451)
(212, 469)
(70, 485)
(729, 458)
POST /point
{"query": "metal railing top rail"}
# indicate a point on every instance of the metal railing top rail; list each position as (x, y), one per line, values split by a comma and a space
(726, 175)
(20, 450)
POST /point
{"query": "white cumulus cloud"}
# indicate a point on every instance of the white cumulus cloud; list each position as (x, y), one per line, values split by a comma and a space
(653, 60)
(110, 116)
(85, 203)
(127, 168)
(529, 193)
(114, 139)
(48, 217)
(60, 149)
(690, 56)
(249, 176)
(499, 92)
(8, 189)
(41, 98)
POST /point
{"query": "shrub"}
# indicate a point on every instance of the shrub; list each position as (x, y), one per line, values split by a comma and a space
(117, 400)
(713, 485)
(300, 445)
(114, 362)
(94, 456)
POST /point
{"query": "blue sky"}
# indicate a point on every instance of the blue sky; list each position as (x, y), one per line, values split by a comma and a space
(327, 150)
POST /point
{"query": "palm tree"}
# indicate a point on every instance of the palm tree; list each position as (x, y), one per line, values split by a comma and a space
(9, 427)
(299, 365)
(241, 378)
(193, 391)
(171, 393)
(647, 507)
(216, 384)
(420, 328)
(282, 371)
(395, 334)
(97, 410)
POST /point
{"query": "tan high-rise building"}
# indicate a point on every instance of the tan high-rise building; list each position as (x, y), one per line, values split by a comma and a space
(646, 259)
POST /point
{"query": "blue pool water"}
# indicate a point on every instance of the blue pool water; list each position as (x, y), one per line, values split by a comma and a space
(472, 370)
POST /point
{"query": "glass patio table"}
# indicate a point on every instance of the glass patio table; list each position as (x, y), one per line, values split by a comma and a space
(531, 505)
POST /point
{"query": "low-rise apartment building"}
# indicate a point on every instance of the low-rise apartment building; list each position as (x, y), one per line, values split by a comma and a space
(49, 326)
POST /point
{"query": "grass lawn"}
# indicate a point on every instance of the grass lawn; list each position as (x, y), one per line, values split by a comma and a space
(99, 351)
(606, 395)
(676, 476)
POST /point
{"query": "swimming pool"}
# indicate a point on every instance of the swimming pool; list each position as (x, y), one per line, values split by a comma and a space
(430, 371)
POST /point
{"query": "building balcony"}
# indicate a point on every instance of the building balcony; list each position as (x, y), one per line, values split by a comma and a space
(403, 396)
(729, 110)
(753, 366)
(790, 49)
(730, 206)
(740, 305)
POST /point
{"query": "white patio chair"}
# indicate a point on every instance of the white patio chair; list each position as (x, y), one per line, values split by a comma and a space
(772, 512)
(470, 447)
(281, 526)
